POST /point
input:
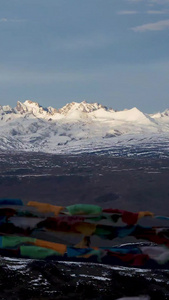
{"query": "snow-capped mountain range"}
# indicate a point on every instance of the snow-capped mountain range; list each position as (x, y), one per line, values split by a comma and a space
(80, 127)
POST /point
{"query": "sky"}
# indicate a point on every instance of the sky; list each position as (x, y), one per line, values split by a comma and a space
(114, 52)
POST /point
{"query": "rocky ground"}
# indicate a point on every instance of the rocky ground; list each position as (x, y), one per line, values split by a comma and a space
(31, 279)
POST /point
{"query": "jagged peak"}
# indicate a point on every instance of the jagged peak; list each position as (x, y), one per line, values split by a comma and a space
(159, 115)
(166, 112)
(31, 103)
(21, 107)
(82, 106)
(34, 107)
(89, 107)
(28, 106)
(51, 110)
(7, 109)
(65, 109)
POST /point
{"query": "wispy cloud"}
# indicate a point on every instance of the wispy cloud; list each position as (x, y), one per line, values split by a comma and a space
(157, 12)
(150, 1)
(84, 43)
(127, 12)
(5, 20)
(150, 12)
(157, 26)
(159, 1)
(134, 1)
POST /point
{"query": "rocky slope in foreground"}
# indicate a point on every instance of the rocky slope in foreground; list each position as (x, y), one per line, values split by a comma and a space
(81, 127)
(32, 279)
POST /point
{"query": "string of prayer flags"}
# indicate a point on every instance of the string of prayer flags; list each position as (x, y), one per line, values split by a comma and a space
(42, 231)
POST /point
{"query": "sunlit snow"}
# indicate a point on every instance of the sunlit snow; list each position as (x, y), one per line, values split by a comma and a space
(79, 127)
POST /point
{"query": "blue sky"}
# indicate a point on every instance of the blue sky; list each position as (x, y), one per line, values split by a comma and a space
(115, 52)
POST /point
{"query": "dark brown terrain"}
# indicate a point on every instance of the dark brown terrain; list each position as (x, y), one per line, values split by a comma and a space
(126, 183)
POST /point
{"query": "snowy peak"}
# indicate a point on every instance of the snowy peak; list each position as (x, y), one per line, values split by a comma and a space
(34, 108)
(28, 106)
(52, 111)
(6, 109)
(32, 104)
(132, 115)
(81, 107)
(159, 115)
(135, 114)
(21, 107)
(166, 113)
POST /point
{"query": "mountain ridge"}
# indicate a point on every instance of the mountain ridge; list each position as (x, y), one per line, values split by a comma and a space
(78, 127)
(35, 107)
